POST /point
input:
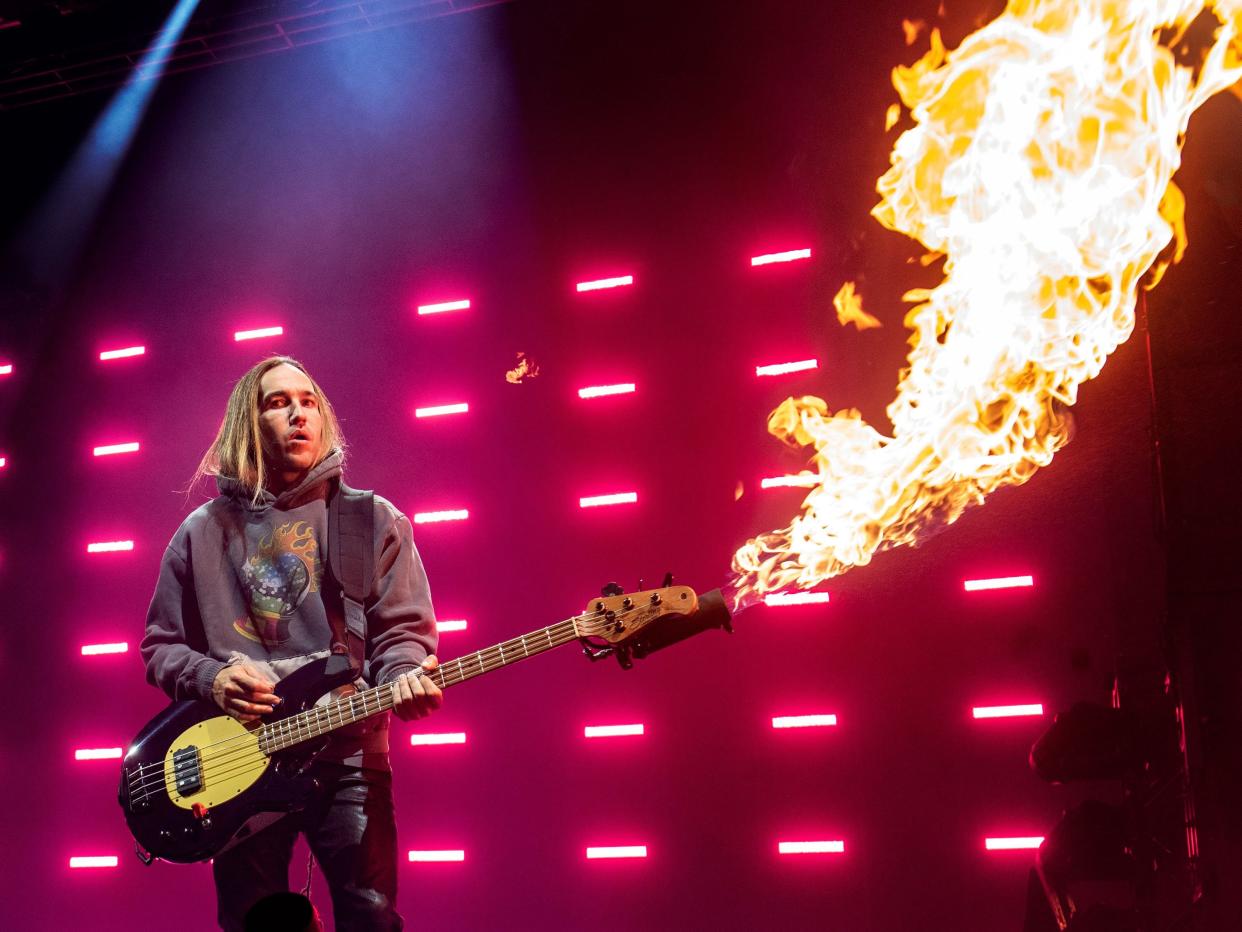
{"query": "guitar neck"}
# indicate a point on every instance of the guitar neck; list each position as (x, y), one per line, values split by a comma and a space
(319, 721)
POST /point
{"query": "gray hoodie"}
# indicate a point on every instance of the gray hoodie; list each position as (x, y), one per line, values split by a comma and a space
(240, 581)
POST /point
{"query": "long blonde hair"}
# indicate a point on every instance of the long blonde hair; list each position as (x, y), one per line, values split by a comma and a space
(237, 451)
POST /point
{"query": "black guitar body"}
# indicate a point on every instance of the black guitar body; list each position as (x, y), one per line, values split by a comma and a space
(172, 833)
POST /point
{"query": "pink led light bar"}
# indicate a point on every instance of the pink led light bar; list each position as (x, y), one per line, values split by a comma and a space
(434, 517)
(599, 391)
(811, 847)
(803, 721)
(117, 647)
(784, 368)
(790, 256)
(109, 546)
(616, 851)
(599, 284)
(618, 498)
(1007, 711)
(122, 353)
(94, 860)
(438, 856)
(1002, 582)
(437, 410)
(3, 462)
(112, 449)
(801, 481)
(781, 599)
(6, 368)
(258, 334)
(462, 305)
(97, 754)
(1021, 843)
(612, 731)
(454, 625)
(443, 737)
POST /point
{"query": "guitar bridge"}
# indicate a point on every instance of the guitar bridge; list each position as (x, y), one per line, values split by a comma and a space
(187, 770)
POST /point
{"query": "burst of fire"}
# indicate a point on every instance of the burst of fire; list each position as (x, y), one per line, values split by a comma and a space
(1039, 166)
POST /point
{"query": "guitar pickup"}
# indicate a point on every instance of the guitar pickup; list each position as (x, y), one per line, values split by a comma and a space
(187, 770)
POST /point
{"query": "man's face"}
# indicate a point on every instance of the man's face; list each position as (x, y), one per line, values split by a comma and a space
(289, 420)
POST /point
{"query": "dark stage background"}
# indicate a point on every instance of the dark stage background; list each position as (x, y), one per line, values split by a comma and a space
(502, 156)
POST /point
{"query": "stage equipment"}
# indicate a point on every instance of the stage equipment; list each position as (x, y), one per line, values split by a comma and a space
(1132, 865)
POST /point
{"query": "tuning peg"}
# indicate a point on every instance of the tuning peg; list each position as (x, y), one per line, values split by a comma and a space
(611, 588)
(668, 581)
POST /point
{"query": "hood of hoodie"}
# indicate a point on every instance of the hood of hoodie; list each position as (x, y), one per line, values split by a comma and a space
(328, 468)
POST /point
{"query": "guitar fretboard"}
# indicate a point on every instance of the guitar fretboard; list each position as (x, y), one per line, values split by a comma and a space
(313, 723)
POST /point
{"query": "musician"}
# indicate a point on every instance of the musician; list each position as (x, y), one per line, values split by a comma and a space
(243, 599)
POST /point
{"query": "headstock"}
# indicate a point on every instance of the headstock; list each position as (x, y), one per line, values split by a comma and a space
(617, 618)
(636, 624)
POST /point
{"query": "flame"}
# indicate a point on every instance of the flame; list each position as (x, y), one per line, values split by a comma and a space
(1039, 165)
(912, 28)
(850, 310)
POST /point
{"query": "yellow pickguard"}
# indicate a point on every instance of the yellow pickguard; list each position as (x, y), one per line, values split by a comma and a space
(230, 757)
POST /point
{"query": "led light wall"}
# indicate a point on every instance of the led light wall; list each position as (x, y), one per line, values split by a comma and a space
(553, 294)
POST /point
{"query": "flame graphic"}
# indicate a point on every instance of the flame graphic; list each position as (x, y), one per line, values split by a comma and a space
(1039, 166)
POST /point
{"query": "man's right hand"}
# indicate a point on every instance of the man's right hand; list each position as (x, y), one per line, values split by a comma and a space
(244, 692)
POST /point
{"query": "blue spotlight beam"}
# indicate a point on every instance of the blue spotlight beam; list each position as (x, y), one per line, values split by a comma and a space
(54, 236)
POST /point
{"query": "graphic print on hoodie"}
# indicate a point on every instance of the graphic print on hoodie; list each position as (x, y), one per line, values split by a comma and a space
(282, 568)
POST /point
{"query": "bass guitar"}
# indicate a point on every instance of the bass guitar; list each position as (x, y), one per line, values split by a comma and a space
(195, 781)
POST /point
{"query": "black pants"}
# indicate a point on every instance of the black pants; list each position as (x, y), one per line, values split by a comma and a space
(352, 832)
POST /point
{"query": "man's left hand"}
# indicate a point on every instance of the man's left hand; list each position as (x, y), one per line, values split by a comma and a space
(417, 696)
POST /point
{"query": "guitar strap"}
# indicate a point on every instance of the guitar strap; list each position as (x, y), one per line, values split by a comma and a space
(351, 562)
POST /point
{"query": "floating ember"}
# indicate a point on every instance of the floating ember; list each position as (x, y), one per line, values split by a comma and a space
(850, 310)
(526, 368)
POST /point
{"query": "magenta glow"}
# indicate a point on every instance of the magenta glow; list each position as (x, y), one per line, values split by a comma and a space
(93, 860)
(801, 481)
(258, 334)
(442, 307)
(440, 410)
(601, 391)
(784, 368)
(811, 847)
(430, 857)
(454, 624)
(1013, 843)
(619, 281)
(791, 255)
(125, 353)
(616, 498)
(109, 546)
(612, 731)
(443, 737)
(616, 851)
(1007, 711)
(435, 517)
(112, 449)
(94, 650)
(97, 754)
(783, 599)
(804, 721)
(1000, 582)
